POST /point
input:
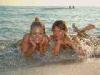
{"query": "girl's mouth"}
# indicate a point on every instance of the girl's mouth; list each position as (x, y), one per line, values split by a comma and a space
(37, 40)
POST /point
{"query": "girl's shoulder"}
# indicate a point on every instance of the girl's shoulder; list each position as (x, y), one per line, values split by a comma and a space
(50, 37)
(27, 35)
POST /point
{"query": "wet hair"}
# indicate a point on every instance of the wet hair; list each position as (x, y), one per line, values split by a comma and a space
(60, 24)
(37, 23)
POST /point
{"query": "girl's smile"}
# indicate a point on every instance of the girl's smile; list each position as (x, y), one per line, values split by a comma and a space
(37, 34)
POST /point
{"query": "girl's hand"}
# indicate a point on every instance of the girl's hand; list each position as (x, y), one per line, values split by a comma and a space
(57, 47)
(60, 35)
(43, 45)
(32, 42)
(44, 42)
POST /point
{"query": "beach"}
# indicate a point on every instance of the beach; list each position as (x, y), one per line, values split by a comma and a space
(15, 22)
(87, 67)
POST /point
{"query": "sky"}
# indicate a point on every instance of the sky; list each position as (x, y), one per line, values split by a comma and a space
(50, 2)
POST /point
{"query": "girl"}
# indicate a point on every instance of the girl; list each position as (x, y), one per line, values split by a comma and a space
(36, 40)
(60, 39)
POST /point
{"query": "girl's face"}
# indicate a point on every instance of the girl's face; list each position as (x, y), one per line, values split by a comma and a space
(37, 34)
(58, 33)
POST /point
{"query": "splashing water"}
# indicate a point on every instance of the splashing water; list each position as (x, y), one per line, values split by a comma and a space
(91, 46)
(11, 58)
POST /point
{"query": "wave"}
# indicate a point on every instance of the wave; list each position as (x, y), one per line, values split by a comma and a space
(12, 59)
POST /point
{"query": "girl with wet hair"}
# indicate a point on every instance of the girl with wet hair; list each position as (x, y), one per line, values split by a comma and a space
(36, 40)
(60, 39)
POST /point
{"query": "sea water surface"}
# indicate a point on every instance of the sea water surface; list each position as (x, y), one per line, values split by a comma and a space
(16, 21)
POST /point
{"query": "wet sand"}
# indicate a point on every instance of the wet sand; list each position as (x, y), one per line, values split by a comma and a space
(86, 67)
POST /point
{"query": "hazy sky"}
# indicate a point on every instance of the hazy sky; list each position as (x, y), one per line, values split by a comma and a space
(50, 2)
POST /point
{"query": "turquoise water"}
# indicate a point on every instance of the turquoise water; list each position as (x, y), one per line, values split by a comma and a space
(16, 21)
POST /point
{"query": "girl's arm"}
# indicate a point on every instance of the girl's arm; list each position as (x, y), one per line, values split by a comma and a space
(57, 47)
(27, 50)
(25, 43)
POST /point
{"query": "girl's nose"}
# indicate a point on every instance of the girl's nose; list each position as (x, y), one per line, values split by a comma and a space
(56, 32)
(37, 35)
